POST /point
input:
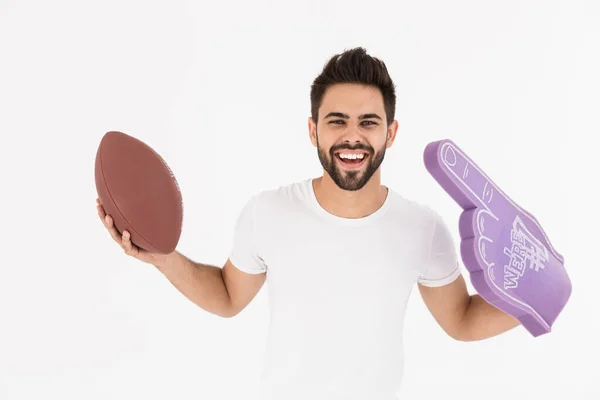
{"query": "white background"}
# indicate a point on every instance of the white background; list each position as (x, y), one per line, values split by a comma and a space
(221, 90)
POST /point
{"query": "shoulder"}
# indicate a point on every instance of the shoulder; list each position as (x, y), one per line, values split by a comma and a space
(282, 198)
(406, 206)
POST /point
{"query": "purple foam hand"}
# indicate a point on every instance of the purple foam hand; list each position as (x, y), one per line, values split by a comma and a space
(510, 260)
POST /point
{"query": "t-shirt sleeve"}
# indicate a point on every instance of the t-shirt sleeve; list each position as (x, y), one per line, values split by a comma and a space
(244, 254)
(441, 267)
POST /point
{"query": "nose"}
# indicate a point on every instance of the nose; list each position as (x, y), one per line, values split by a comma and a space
(352, 135)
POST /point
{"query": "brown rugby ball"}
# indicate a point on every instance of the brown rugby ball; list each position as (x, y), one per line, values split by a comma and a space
(138, 190)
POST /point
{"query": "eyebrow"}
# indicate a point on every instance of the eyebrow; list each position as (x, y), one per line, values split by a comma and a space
(346, 116)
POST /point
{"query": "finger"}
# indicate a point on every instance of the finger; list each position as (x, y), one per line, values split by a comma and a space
(114, 233)
(101, 212)
(464, 181)
(126, 243)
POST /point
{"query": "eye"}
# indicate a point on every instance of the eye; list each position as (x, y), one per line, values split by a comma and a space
(335, 122)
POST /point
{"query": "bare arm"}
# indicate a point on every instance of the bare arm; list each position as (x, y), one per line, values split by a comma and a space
(462, 316)
(221, 291)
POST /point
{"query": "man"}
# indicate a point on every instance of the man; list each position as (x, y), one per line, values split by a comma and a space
(341, 253)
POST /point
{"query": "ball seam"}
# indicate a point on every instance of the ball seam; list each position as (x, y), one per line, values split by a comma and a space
(117, 207)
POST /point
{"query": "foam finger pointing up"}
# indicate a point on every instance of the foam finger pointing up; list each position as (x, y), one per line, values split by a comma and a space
(460, 177)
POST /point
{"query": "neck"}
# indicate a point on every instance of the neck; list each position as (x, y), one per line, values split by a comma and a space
(350, 204)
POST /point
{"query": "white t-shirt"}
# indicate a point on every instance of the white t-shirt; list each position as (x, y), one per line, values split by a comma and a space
(338, 289)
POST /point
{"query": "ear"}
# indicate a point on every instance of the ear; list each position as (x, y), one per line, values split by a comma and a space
(392, 130)
(312, 131)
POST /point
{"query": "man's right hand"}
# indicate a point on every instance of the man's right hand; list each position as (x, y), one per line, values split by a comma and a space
(124, 241)
(223, 291)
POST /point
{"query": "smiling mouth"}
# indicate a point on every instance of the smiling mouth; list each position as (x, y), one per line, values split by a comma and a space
(351, 160)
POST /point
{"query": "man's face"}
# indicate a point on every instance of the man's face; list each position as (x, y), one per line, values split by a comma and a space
(352, 135)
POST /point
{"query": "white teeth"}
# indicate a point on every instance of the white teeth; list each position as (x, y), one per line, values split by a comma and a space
(352, 156)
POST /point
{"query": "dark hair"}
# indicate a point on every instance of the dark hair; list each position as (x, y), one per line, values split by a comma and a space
(354, 66)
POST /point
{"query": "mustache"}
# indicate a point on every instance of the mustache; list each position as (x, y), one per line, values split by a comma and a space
(366, 148)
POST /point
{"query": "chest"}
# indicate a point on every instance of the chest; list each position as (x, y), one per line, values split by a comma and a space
(336, 266)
